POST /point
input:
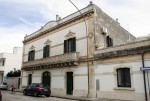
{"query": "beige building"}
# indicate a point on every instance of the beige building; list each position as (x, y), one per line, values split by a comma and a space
(88, 55)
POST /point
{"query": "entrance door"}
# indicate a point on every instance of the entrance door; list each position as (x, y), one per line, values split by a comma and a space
(29, 79)
(46, 79)
(70, 83)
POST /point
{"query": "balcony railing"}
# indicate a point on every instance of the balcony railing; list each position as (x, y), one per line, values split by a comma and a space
(68, 57)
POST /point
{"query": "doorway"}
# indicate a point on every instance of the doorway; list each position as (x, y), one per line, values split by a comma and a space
(46, 79)
(70, 83)
(29, 79)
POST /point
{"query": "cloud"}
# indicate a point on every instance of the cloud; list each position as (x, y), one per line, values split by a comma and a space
(21, 17)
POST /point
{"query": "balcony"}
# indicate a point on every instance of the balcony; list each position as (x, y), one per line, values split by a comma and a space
(63, 60)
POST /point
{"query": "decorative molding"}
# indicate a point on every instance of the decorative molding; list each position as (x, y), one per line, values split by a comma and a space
(70, 35)
(80, 18)
(63, 60)
(32, 47)
(48, 42)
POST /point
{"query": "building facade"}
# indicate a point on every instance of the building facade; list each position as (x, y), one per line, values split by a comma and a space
(86, 54)
(10, 62)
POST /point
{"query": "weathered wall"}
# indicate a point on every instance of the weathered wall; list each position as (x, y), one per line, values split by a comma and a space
(114, 30)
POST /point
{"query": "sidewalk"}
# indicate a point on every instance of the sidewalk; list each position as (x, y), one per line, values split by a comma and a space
(85, 98)
(75, 97)
(78, 98)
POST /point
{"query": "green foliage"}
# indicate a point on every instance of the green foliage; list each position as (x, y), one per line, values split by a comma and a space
(14, 73)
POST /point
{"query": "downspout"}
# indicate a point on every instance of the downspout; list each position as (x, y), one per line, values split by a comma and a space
(144, 76)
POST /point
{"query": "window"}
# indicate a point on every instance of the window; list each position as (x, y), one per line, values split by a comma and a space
(123, 77)
(3, 63)
(109, 41)
(31, 55)
(46, 51)
(70, 45)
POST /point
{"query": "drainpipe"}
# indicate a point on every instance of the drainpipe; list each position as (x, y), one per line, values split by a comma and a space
(144, 77)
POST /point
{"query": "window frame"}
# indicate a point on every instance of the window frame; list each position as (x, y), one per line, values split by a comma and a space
(46, 51)
(125, 78)
(131, 78)
(31, 55)
(70, 45)
(109, 41)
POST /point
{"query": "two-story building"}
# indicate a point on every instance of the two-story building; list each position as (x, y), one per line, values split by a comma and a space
(10, 61)
(86, 54)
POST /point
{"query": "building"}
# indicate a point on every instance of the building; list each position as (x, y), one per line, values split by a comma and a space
(10, 62)
(86, 54)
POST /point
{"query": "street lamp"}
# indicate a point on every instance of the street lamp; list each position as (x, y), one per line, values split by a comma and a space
(87, 46)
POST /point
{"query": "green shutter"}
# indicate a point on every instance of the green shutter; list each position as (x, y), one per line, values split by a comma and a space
(33, 55)
(43, 52)
(73, 44)
(47, 50)
(107, 40)
(29, 56)
(65, 46)
(111, 42)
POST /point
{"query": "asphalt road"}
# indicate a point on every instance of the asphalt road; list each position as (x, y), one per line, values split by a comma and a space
(8, 96)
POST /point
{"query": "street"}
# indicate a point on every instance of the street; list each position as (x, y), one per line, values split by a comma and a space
(8, 96)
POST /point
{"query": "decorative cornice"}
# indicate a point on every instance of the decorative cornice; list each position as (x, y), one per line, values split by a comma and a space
(48, 42)
(49, 66)
(125, 52)
(32, 47)
(70, 35)
(85, 15)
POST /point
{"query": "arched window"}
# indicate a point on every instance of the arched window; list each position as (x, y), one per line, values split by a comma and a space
(123, 77)
(46, 79)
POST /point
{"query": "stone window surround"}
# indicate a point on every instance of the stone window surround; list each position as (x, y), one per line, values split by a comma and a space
(131, 76)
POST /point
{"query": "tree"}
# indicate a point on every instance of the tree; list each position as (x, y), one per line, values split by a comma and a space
(14, 73)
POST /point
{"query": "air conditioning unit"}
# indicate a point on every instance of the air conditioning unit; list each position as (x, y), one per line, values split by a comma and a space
(104, 30)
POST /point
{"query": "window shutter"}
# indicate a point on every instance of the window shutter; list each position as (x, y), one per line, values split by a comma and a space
(33, 55)
(111, 42)
(47, 50)
(65, 46)
(29, 56)
(74, 44)
(43, 52)
(107, 40)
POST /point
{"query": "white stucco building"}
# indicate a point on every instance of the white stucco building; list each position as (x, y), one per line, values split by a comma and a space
(100, 59)
(10, 61)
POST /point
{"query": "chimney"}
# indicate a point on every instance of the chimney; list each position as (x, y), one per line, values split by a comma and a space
(57, 17)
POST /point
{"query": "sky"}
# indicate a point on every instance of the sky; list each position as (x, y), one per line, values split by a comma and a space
(19, 18)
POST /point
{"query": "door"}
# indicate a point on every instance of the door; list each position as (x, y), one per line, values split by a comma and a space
(70, 83)
(29, 79)
(46, 79)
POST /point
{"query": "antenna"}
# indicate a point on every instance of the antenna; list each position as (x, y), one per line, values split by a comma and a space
(129, 33)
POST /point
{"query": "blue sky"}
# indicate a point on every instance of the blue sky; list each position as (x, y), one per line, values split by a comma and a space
(21, 17)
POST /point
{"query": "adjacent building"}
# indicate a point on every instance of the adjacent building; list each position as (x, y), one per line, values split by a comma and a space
(10, 62)
(86, 54)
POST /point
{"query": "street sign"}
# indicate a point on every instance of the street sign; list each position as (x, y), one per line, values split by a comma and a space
(144, 68)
